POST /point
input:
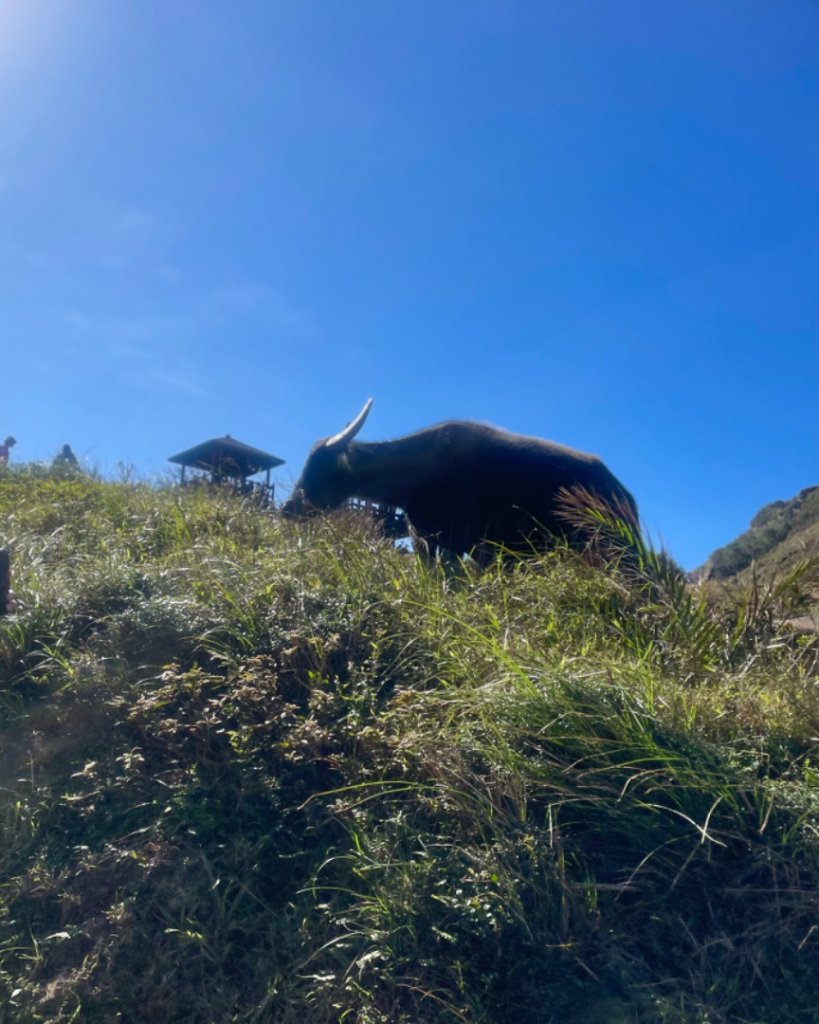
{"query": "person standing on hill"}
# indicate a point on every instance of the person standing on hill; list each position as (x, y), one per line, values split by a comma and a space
(66, 458)
(8, 603)
(5, 449)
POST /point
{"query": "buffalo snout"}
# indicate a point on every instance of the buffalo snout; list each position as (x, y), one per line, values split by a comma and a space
(297, 507)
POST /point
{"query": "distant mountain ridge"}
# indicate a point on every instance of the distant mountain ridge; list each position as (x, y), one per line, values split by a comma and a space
(780, 534)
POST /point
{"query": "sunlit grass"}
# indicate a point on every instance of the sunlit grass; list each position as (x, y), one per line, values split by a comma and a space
(254, 771)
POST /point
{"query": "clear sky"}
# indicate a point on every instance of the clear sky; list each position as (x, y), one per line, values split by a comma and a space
(595, 221)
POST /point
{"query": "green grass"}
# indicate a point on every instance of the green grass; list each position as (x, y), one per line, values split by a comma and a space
(257, 772)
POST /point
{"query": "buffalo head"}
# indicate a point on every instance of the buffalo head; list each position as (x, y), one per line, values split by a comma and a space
(327, 479)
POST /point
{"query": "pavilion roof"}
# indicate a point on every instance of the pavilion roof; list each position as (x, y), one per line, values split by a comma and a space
(232, 456)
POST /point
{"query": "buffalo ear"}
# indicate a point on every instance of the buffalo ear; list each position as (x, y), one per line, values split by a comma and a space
(349, 432)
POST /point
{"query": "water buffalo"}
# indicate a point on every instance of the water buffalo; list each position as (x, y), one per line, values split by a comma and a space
(465, 487)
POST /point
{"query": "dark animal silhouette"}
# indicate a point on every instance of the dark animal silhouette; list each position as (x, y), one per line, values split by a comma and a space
(465, 487)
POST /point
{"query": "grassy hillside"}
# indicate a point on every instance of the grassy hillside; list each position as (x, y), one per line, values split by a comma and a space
(780, 534)
(257, 772)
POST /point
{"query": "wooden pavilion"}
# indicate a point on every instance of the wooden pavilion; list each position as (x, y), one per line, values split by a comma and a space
(226, 461)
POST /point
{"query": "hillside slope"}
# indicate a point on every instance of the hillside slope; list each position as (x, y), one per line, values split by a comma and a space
(252, 771)
(779, 535)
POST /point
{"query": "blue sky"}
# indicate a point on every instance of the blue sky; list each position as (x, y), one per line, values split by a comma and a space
(596, 222)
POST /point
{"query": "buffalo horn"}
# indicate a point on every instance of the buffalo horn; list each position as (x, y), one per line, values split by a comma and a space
(349, 432)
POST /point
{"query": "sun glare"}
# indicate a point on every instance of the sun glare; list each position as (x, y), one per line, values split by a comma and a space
(29, 33)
